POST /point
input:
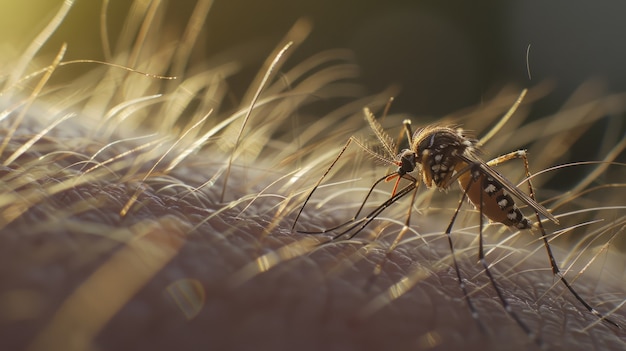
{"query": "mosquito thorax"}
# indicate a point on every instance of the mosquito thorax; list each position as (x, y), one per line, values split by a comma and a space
(437, 149)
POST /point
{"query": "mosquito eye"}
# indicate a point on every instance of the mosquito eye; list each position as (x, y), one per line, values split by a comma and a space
(409, 155)
(407, 160)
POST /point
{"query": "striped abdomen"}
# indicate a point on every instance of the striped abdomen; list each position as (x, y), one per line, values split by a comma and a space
(498, 205)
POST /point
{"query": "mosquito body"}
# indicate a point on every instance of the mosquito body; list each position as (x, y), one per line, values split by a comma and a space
(439, 156)
(445, 154)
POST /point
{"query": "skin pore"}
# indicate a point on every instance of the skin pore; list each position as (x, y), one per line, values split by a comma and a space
(115, 234)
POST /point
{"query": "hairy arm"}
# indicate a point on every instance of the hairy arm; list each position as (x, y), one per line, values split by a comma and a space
(181, 270)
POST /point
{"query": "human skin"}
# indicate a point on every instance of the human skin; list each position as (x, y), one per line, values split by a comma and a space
(89, 278)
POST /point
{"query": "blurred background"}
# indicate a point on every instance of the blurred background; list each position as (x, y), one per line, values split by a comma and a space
(444, 55)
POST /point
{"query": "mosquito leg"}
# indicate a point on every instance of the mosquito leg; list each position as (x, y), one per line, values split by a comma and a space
(407, 223)
(483, 261)
(308, 197)
(372, 215)
(462, 285)
(557, 272)
(511, 155)
(379, 266)
(406, 132)
(555, 267)
(351, 220)
(343, 150)
(369, 217)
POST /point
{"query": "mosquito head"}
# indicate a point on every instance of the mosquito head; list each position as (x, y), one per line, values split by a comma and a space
(407, 162)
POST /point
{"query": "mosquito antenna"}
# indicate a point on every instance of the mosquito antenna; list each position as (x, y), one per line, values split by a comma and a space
(384, 139)
(382, 136)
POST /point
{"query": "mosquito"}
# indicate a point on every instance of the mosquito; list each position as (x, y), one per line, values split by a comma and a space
(441, 155)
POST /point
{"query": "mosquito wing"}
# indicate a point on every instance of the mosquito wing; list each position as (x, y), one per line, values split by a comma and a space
(510, 187)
